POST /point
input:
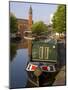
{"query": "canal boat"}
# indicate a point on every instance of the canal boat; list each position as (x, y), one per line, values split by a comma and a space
(42, 65)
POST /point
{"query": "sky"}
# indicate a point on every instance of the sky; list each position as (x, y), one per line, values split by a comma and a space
(41, 12)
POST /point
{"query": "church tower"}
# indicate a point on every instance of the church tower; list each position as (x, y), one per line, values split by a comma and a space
(29, 28)
(30, 18)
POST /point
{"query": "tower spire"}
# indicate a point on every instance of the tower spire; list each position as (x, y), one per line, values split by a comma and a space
(30, 17)
(30, 10)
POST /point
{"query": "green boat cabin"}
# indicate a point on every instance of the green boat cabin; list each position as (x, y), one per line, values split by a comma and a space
(44, 50)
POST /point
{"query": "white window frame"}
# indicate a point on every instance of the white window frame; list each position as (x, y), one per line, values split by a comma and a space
(46, 53)
(43, 53)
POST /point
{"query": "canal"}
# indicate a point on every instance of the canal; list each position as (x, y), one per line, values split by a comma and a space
(18, 62)
(18, 74)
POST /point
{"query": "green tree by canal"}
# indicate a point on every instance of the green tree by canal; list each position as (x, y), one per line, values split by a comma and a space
(13, 24)
(39, 28)
(59, 19)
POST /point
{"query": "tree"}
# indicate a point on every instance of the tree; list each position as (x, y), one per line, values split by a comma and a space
(59, 19)
(38, 28)
(13, 24)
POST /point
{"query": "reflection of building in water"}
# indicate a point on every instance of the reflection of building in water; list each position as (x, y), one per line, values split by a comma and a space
(22, 44)
(25, 24)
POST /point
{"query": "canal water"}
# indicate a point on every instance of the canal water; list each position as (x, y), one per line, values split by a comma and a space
(18, 74)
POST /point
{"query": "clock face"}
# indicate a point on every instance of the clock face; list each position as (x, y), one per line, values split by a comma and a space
(42, 51)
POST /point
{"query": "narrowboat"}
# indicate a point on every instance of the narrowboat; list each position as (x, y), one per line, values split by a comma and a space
(42, 65)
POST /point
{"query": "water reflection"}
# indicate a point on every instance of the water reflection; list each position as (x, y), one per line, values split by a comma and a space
(13, 48)
(18, 74)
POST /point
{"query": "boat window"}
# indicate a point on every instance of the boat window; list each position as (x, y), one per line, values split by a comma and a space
(46, 52)
(41, 52)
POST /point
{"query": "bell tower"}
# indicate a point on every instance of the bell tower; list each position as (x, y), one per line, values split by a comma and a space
(29, 28)
(30, 18)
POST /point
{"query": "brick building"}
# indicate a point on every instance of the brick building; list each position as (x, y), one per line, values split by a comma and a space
(25, 24)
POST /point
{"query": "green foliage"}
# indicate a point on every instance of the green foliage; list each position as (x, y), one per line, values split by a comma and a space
(38, 28)
(59, 19)
(13, 24)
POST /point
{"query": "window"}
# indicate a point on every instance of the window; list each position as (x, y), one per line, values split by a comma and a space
(46, 52)
(43, 52)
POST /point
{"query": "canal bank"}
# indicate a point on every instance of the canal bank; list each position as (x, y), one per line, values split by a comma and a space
(60, 79)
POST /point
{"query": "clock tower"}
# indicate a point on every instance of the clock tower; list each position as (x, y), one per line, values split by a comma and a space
(30, 18)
